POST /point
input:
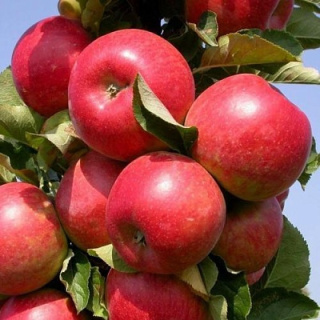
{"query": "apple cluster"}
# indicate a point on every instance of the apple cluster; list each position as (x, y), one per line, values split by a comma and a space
(163, 211)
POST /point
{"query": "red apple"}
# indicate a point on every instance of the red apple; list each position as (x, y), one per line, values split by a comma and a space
(282, 197)
(42, 61)
(82, 196)
(146, 296)
(233, 15)
(35, 244)
(45, 303)
(165, 213)
(252, 139)
(254, 277)
(100, 90)
(251, 235)
(281, 14)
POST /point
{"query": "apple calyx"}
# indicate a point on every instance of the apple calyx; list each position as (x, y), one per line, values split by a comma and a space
(139, 238)
(113, 90)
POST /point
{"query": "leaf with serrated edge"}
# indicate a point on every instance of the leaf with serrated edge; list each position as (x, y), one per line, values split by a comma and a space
(209, 273)
(304, 24)
(207, 28)
(155, 118)
(26, 175)
(75, 275)
(280, 304)
(218, 307)
(237, 49)
(57, 129)
(192, 277)
(236, 291)
(96, 302)
(280, 38)
(313, 164)
(5, 175)
(290, 268)
(110, 256)
(8, 93)
(15, 121)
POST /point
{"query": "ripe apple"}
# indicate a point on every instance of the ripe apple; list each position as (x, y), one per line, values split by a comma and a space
(100, 90)
(281, 14)
(35, 244)
(45, 303)
(233, 15)
(146, 296)
(165, 213)
(282, 197)
(251, 235)
(82, 196)
(42, 60)
(252, 139)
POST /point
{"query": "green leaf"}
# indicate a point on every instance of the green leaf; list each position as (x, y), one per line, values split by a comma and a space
(17, 159)
(313, 164)
(292, 72)
(192, 277)
(207, 28)
(236, 291)
(280, 304)
(186, 40)
(8, 93)
(92, 15)
(304, 25)
(290, 268)
(5, 175)
(15, 117)
(96, 303)
(209, 272)
(75, 275)
(16, 121)
(111, 257)
(58, 129)
(155, 118)
(57, 138)
(218, 307)
(280, 38)
(240, 49)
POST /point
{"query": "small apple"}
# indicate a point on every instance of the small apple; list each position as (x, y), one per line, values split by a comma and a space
(146, 296)
(233, 15)
(101, 93)
(82, 196)
(251, 235)
(281, 14)
(35, 244)
(254, 277)
(45, 303)
(165, 213)
(252, 139)
(42, 61)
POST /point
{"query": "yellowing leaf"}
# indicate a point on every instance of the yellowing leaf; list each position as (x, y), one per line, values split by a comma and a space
(240, 49)
(192, 277)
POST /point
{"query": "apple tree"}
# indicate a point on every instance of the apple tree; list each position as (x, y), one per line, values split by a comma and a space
(152, 136)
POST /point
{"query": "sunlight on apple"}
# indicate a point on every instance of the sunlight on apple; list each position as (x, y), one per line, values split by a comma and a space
(129, 55)
(247, 109)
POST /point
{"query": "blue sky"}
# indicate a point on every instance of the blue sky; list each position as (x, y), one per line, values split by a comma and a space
(302, 207)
